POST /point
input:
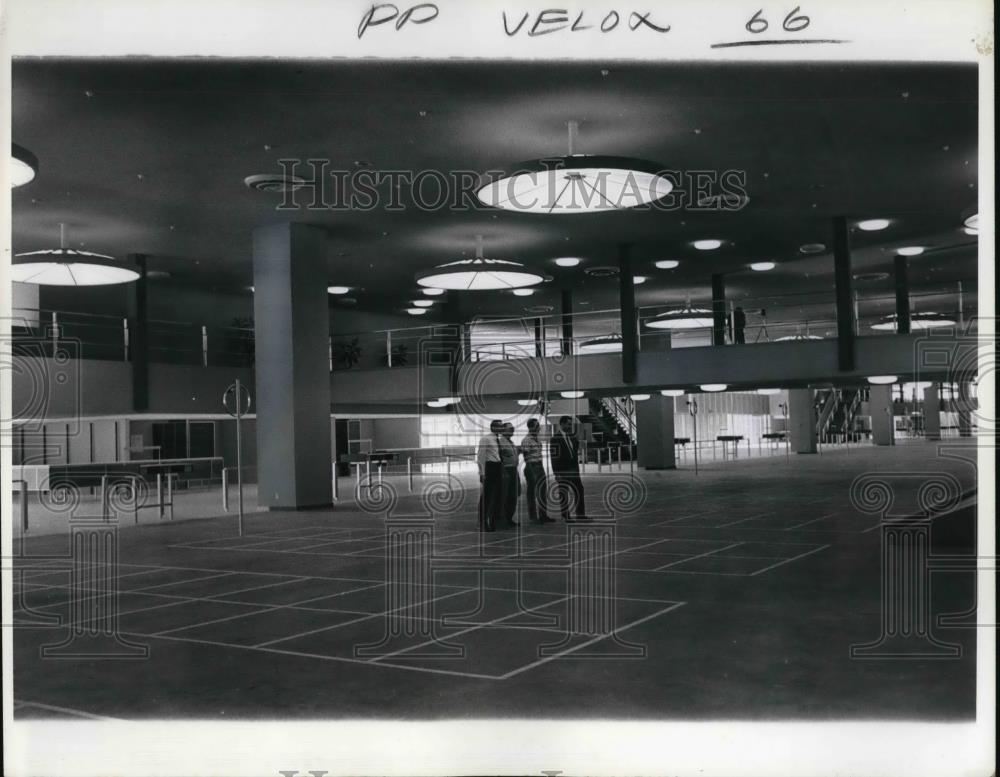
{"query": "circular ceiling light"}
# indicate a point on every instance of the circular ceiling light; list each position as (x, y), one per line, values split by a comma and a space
(69, 267)
(881, 380)
(638, 397)
(673, 392)
(523, 292)
(571, 394)
(527, 402)
(423, 303)
(416, 311)
(762, 266)
(567, 261)
(972, 222)
(767, 392)
(449, 400)
(437, 403)
(970, 230)
(666, 264)
(578, 183)
(23, 166)
(787, 338)
(812, 248)
(638, 280)
(713, 387)
(606, 344)
(337, 289)
(433, 292)
(707, 245)
(686, 317)
(873, 225)
(910, 250)
(925, 320)
(268, 182)
(480, 274)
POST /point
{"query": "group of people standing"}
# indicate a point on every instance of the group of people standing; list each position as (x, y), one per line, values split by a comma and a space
(497, 458)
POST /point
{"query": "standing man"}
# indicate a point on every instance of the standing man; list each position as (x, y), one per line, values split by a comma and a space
(534, 474)
(739, 326)
(565, 454)
(491, 477)
(511, 481)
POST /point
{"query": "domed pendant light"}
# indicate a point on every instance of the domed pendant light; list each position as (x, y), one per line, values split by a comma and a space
(577, 183)
(480, 274)
(686, 317)
(69, 267)
(23, 166)
(928, 320)
(606, 344)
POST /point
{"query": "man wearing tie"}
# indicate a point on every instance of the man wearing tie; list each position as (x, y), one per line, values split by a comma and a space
(491, 476)
(511, 480)
(534, 474)
(565, 454)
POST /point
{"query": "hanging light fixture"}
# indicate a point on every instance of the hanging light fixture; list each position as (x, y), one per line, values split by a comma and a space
(881, 380)
(571, 394)
(480, 274)
(69, 267)
(798, 336)
(767, 392)
(605, 344)
(927, 320)
(527, 402)
(23, 166)
(713, 387)
(672, 392)
(638, 397)
(686, 317)
(578, 183)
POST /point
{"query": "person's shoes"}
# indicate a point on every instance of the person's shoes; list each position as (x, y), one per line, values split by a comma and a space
(546, 519)
(512, 524)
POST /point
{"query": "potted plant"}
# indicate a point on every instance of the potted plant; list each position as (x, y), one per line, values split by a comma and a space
(399, 357)
(348, 353)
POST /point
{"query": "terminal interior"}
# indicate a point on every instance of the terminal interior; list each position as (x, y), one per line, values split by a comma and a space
(231, 358)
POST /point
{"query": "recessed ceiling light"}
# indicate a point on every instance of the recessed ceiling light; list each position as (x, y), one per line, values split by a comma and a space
(639, 397)
(571, 394)
(337, 289)
(881, 380)
(707, 245)
(812, 248)
(23, 166)
(713, 387)
(433, 292)
(769, 391)
(673, 392)
(762, 266)
(416, 311)
(69, 267)
(423, 303)
(437, 403)
(567, 261)
(638, 279)
(666, 264)
(527, 402)
(523, 292)
(910, 250)
(873, 225)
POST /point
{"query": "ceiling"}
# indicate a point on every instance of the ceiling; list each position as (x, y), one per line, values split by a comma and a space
(149, 156)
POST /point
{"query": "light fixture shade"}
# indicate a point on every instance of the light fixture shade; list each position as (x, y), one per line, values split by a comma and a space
(762, 266)
(571, 394)
(682, 318)
(767, 392)
(873, 225)
(605, 344)
(567, 261)
(918, 321)
(480, 274)
(638, 397)
(437, 403)
(579, 183)
(69, 267)
(673, 392)
(422, 303)
(709, 244)
(416, 311)
(527, 402)
(881, 380)
(431, 292)
(910, 250)
(712, 387)
(337, 289)
(638, 279)
(23, 168)
(666, 264)
(523, 292)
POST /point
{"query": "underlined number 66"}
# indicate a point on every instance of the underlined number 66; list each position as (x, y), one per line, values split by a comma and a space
(792, 23)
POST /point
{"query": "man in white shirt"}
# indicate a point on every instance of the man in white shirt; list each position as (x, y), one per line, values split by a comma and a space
(491, 476)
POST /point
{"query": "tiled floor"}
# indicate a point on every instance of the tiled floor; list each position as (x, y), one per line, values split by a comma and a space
(734, 593)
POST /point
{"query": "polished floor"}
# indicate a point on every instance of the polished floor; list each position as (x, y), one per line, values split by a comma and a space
(736, 593)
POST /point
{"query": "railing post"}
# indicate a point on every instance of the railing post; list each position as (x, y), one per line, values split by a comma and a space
(104, 497)
(55, 332)
(22, 491)
(159, 493)
(170, 493)
(409, 471)
(336, 485)
(225, 490)
(125, 337)
(135, 499)
(204, 346)
(388, 347)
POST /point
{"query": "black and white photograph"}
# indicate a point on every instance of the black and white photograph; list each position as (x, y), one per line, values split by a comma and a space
(497, 388)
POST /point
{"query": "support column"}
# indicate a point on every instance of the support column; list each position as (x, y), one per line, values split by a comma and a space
(902, 295)
(932, 412)
(137, 315)
(718, 310)
(539, 338)
(880, 407)
(626, 302)
(802, 432)
(655, 421)
(964, 406)
(292, 373)
(843, 281)
(566, 300)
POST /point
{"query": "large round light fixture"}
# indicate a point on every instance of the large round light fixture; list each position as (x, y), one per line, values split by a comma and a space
(69, 267)
(924, 320)
(713, 387)
(578, 183)
(571, 394)
(480, 274)
(762, 266)
(337, 289)
(709, 244)
(881, 380)
(606, 344)
(686, 317)
(910, 250)
(567, 261)
(873, 225)
(23, 166)
(666, 264)
(430, 292)
(523, 292)
(673, 392)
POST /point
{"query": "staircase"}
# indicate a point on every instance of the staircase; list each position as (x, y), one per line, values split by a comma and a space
(611, 424)
(839, 412)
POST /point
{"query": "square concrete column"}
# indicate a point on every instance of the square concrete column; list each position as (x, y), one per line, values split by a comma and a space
(802, 420)
(655, 432)
(932, 412)
(880, 407)
(291, 325)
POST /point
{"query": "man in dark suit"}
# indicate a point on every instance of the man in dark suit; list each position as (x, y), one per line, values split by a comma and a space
(564, 451)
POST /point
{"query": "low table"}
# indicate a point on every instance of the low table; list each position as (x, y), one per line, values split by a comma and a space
(725, 439)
